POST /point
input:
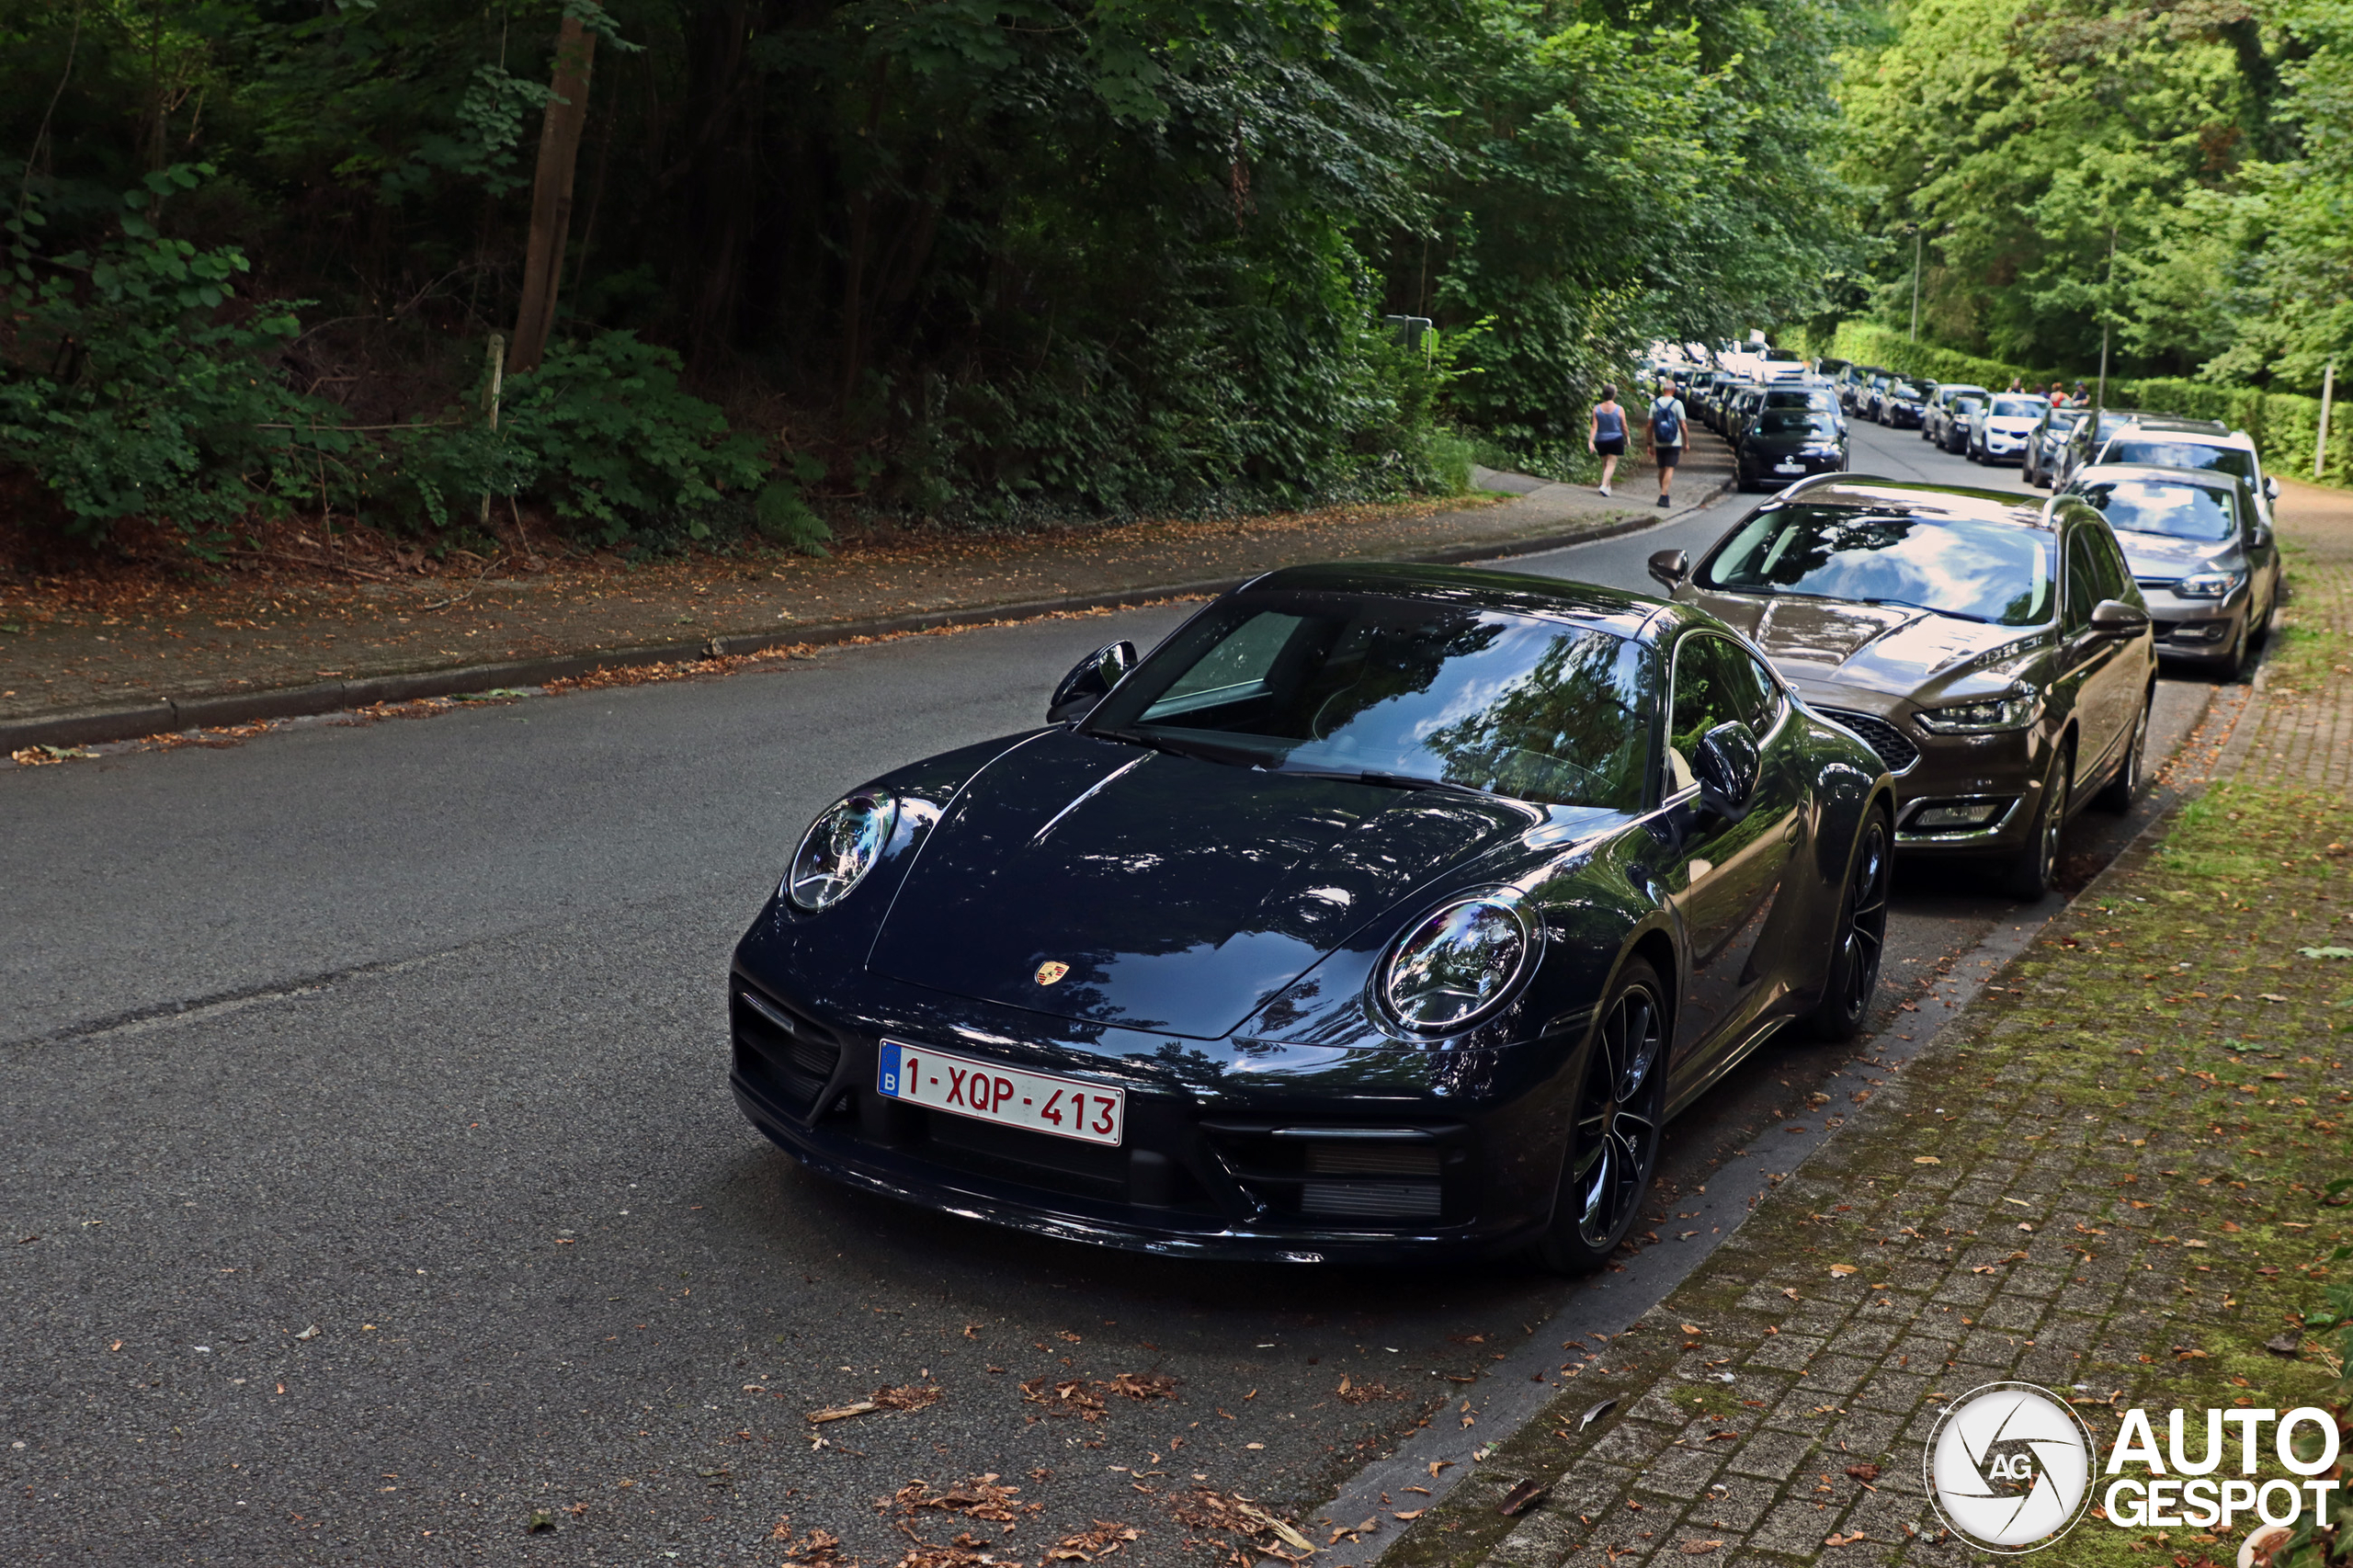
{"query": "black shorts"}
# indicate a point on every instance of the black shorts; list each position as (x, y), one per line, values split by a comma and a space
(1667, 457)
(1610, 446)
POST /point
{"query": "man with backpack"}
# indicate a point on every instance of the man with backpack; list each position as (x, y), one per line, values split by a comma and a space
(1668, 423)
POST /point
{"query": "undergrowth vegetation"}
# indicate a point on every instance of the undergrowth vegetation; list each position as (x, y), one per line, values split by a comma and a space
(987, 265)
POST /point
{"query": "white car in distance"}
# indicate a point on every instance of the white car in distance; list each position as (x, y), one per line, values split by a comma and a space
(2003, 424)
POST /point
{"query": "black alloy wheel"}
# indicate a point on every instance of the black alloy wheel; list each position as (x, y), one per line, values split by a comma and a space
(2116, 797)
(1614, 1130)
(2036, 870)
(1861, 940)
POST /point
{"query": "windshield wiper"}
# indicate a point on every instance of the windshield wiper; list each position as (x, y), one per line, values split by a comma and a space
(1196, 750)
(1932, 609)
(1387, 780)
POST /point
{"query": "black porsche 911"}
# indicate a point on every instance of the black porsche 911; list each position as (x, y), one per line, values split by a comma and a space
(1383, 913)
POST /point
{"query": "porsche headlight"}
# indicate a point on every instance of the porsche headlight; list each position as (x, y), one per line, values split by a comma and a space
(2209, 585)
(1460, 965)
(1982, 717)
(838, 850)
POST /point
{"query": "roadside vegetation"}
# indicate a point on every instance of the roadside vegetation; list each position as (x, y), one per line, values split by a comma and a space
(990, 264)
(2168, 181)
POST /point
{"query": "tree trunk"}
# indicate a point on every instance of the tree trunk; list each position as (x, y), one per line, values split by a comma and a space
(576, 51)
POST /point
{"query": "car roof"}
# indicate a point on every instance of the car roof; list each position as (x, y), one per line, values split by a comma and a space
(1867, 492)
(2204, 478)
(1516, 592)
(2209, 432)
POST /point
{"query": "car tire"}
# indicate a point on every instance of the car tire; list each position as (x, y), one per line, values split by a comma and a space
(2116, 796)
(2234, 665)
(1612, 1146)
(1858, 942)
(2035, 873)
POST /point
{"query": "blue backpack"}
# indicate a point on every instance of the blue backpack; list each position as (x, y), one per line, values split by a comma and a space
(1667, 427)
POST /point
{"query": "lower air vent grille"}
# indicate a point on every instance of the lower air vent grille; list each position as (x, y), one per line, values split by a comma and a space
(792, 1054)
(1317, 1175)
(1894, 747)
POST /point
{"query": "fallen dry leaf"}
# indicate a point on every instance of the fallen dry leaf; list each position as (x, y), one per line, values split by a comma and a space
(1698, 1548)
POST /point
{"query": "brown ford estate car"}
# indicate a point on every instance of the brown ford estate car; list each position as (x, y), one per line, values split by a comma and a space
(1997, 656)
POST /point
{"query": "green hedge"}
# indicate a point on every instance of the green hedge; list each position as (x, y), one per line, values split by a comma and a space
(2282, 424)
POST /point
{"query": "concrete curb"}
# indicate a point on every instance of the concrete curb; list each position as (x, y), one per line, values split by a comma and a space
(162, 715)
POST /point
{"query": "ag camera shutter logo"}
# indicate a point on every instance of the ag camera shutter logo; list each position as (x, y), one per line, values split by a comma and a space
(2009, 1467)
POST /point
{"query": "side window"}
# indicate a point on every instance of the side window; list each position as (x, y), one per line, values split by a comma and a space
(1715, 683)
(1766, 711)
(2116, 577)
(2083, 579)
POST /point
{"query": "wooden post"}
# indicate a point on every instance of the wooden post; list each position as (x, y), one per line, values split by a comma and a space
(490, 402)
(576, 51)
(2327, 396)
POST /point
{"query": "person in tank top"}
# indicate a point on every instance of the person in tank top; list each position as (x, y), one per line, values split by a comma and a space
(1606, 436)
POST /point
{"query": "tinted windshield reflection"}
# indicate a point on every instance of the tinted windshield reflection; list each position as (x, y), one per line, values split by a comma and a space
(1981, 571)
(2181, 454)
(1334, 682)
(2180, 511)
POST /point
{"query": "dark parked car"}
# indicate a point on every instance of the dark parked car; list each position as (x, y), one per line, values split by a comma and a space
(1958, 415)
(1791, 435)
(2050, 434)
(1995, 655)
(1382, 912)
(1900, 406)
(2200, 549)
(1937, 418)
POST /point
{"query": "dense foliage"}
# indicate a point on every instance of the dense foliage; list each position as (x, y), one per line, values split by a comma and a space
(2180, 173)
(980, 260)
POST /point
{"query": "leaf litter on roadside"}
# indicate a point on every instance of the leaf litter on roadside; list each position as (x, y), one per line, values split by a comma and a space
(1079, 1397)
(1247, 1527)
(909, 1396)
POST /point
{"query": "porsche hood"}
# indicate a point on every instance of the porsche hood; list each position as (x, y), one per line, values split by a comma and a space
(1093, 880)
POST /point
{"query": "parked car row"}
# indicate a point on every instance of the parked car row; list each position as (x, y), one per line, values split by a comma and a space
(1388, 912)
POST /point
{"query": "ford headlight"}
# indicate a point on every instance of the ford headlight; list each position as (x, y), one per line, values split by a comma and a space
(1985, 716)
(838, 850)
(2208, 585)
(1460, 963)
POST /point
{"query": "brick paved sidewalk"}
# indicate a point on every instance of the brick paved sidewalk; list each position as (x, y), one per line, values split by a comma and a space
(2105, 1176)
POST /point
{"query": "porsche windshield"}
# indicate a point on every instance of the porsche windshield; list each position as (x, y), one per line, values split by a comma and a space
(2177, 511)
(1404, 690)
(1974, 569)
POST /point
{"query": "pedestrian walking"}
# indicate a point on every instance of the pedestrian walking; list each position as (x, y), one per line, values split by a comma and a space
(2016, 384)
(1668, 423)
(2082, 392)
(2058, 396)
(1606, 433)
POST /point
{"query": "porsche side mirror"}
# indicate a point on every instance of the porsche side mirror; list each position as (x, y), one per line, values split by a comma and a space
(1725, 764)
(2271, 488)
(1670, 567)
(2114, 617)
(1090, 681)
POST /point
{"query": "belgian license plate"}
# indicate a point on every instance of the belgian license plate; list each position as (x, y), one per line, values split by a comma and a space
(1789, 468)
(988, 1091)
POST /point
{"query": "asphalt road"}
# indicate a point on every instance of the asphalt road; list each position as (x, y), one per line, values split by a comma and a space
(373, 1183)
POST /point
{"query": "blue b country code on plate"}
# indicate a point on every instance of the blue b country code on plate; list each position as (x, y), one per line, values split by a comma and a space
(1011, 1097)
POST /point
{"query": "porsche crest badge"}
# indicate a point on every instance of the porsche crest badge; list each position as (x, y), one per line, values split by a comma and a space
(1049, 971)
